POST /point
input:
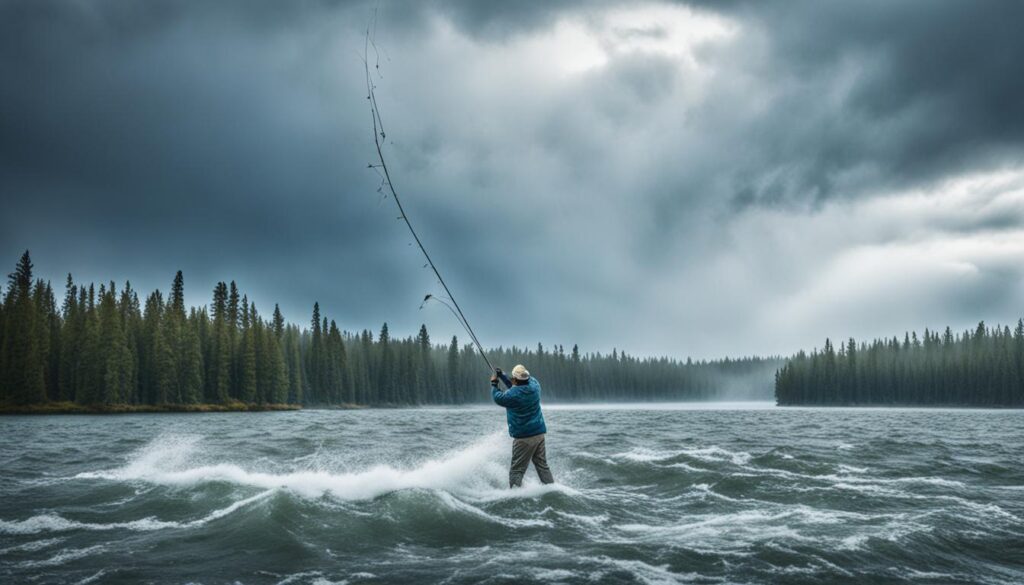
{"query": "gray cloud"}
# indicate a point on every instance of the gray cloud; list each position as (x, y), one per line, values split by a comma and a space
(693, 180)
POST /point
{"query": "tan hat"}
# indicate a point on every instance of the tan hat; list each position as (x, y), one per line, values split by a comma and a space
(520, 372)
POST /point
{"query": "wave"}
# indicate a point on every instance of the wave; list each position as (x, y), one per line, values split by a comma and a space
(319, 579)
(457, 504)
(32, 546)
(649, 574)
(712, 454)
(477, 472)
(57, 523)
(92, 578)
(719, 523)
(64, 556)
(845, 476)
(834, 530)
(935, 481)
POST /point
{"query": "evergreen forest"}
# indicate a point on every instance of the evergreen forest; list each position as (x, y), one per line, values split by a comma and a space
(983, 367)
(106, 345)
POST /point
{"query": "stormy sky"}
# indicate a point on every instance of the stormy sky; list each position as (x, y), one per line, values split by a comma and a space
(690, 179)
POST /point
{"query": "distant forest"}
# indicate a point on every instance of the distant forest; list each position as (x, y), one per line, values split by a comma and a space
(102, 346)
(983, 367)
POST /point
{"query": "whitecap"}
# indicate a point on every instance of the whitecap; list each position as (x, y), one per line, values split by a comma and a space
(457, 504)
(868, 489)
(736, 531)
(32, 546)
(294, 576)
(854, 542)
(649, 574)
(938, 481)
(593, 521)
(931, 575)
(553, 575)
(92, 578)
(64, 556)
(705, 490)
(716, 453)
(477, 472)
(713, 453)
(644, 455)
(685, 466)
(57, 523)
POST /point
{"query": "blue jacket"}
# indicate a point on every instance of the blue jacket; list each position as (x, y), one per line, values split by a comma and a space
(522, 407)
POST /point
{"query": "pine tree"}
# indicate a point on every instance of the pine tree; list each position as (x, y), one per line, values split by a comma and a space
(336, 358)
(117, 361)
(89, 371)
(576, 380)
(131, 324)
(294, 363)
(48, 330)
(165, 379)
(405, 378)
(220, 370)
(452, 373)
(278, 323)
(247, 357)
(386, 365)
(151, 345)
(22, 364)
(191, 361)
(277, 377)
(365, 389)
(174, 339)
(233, 336)
(315, 360)
(425, 389)
(70, 342)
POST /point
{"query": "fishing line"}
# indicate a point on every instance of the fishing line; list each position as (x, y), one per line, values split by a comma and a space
(382, 169)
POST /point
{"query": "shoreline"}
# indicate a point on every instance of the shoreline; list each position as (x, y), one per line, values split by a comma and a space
(906, 406)
(75, 408)
(71, 408)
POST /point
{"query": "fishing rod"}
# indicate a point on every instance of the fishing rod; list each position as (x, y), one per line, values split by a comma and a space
(382, 169)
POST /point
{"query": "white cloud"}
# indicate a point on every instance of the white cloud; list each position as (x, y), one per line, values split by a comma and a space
(952, 254)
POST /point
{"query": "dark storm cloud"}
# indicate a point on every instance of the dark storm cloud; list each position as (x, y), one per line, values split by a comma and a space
(932, 88)
(140, 138)
(230, 139)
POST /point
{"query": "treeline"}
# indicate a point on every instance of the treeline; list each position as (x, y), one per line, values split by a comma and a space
(102, 346)
(983, 367)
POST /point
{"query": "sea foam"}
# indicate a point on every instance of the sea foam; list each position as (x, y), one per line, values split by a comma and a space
(478, 472)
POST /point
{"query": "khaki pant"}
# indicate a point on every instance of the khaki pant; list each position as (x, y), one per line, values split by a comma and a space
(525, 450)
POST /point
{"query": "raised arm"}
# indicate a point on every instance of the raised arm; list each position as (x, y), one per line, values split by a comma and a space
(504, 378)
(508, 398)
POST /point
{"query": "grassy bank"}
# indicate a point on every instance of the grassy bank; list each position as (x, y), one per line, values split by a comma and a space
(75, 408)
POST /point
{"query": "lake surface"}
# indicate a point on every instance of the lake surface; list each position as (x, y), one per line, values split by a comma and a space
(664, 494)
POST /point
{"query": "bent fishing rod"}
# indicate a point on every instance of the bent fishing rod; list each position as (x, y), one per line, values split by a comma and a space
(382, 169)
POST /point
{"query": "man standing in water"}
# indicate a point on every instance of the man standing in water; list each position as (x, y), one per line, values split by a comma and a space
(525, 424)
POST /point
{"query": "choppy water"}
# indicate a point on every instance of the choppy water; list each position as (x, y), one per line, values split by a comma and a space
(743, 495)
